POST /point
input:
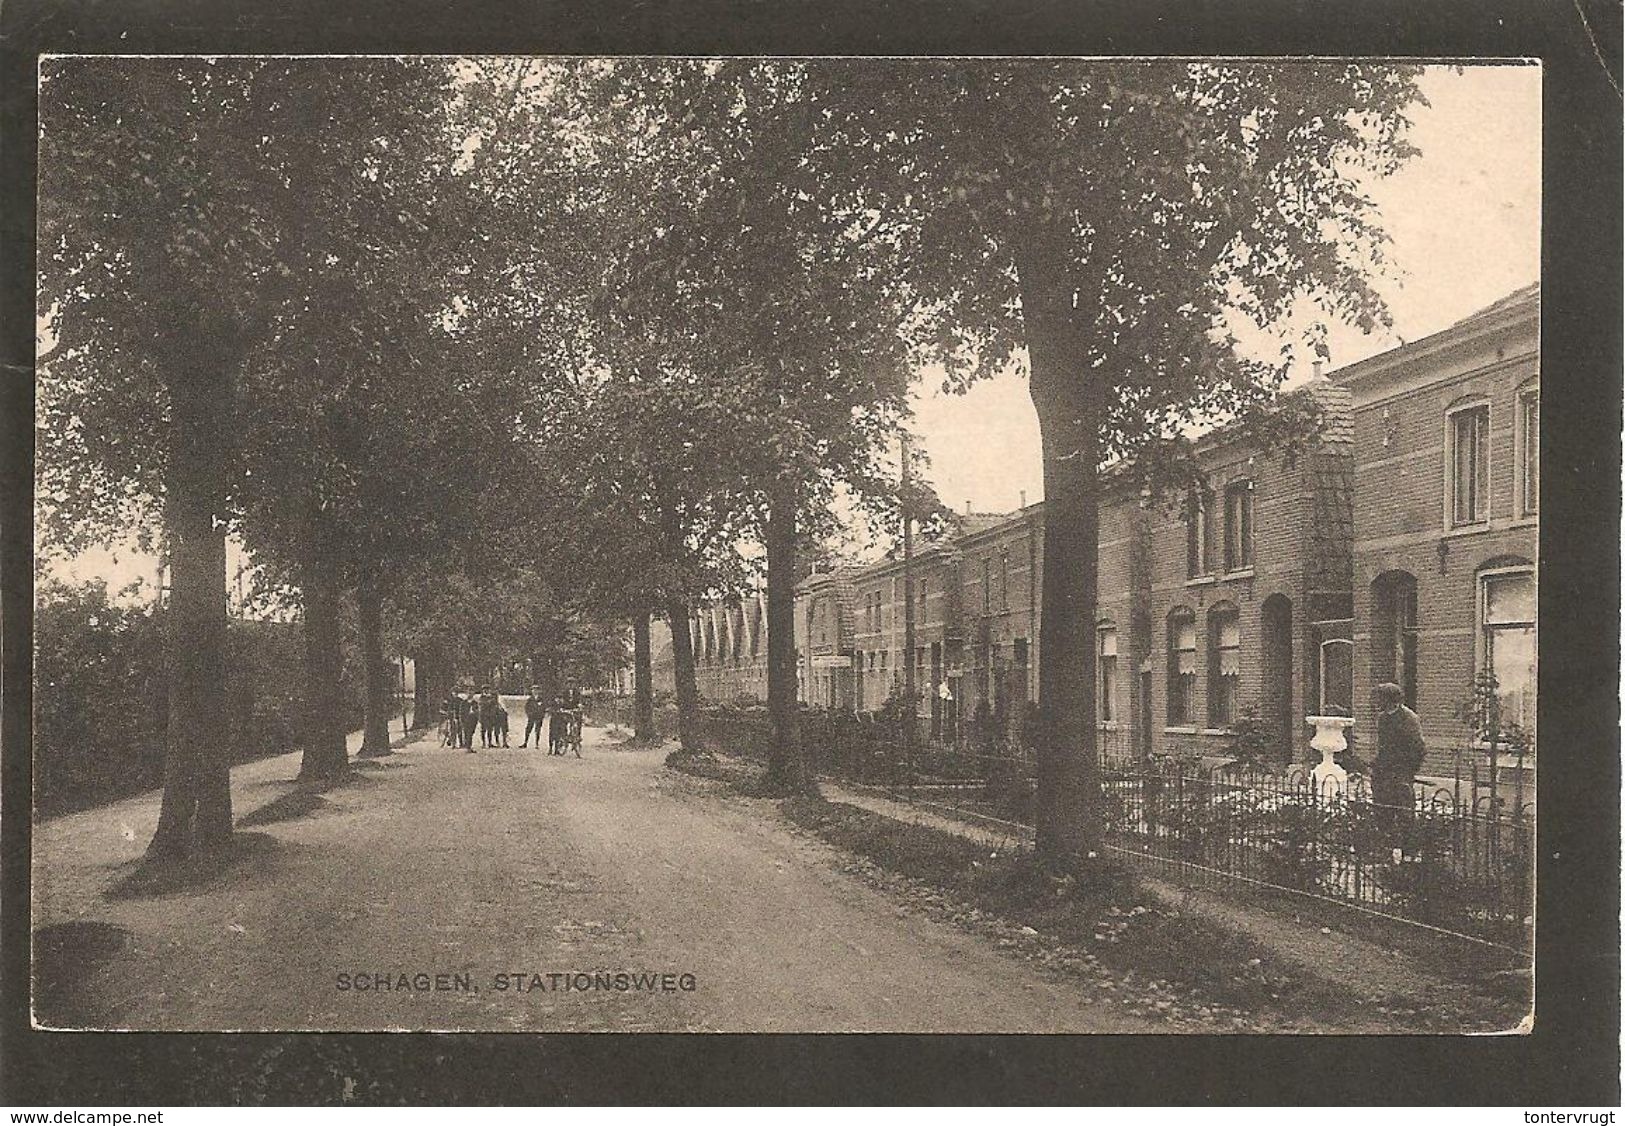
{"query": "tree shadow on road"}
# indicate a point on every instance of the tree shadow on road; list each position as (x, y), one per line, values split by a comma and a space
(299, 803)
(148, 878)
(306, 798)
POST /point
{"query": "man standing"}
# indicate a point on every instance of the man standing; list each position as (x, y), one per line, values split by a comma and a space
(471, 720)
(489, 722)
(451, 720)
(535, 714)
(1400, 748)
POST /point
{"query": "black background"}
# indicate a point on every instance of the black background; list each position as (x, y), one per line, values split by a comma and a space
(1571, 1059)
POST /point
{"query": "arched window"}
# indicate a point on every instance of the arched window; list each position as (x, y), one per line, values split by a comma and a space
(1394, 632)
(1181, 668)
(1105, 669)
(1223, 664)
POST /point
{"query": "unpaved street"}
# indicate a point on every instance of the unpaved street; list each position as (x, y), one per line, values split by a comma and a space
(509, 866)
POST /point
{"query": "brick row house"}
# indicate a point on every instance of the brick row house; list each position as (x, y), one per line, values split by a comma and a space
(1447, 520)
(1214, 606)
(1399, 545)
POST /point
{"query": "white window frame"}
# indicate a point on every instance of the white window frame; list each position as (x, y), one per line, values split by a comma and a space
(1215, 663)
(1105, 702)
(1528, 449)
(1243, 486)
(1321, 658)
(1199, 523)
(1481, 607)
(1187, 689)
(1476, 403)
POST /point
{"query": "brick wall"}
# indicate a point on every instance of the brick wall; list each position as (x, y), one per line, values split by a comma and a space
(1402, 519)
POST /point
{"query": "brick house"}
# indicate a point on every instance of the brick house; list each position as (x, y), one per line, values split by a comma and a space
(999, 564)
(823, 624)
(1447, 524)
(1207, 607)
(1243, 581)
(879, 629)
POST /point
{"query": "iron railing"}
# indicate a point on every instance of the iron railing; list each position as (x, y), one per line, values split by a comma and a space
(1458, 859)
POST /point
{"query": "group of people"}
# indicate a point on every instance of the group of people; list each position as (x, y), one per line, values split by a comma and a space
(464, 712)
(564, 731)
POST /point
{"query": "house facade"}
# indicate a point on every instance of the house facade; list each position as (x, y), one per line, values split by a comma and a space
(1447, 521)
(1246, 581)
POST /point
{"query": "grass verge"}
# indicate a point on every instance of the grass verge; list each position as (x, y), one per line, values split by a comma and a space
(1174, 962)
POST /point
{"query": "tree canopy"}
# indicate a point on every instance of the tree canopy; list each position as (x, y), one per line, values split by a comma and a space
(548, 340)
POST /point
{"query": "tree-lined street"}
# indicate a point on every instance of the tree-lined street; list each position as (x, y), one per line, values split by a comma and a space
(355, 312)
(486, 364)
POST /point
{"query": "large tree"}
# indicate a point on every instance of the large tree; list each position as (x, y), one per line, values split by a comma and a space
(1110, 223)
(783, 316)
(154, 252)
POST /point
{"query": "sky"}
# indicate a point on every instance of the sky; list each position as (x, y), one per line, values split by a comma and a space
(1464, 217)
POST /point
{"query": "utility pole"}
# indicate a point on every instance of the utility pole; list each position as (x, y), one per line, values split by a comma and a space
(908, 612)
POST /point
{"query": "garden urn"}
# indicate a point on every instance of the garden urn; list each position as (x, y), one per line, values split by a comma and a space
(1331, 780)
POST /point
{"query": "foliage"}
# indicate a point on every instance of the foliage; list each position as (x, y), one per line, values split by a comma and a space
(101, 694)
(1480, 713)
(1251, 745)
(1108, 223)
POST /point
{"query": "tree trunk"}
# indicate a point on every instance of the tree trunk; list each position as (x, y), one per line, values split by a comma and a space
(425, 695)
(688, 693)
(786, 769)
(1067, 401)
(325, 757)
(379, 673)
(643, 689)
(196, 811)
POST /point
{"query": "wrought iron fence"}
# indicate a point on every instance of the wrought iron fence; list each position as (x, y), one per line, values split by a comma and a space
(1464, 866)
(1459, 859)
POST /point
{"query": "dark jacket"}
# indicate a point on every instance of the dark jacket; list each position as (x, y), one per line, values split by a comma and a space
(534, 707)
(1400, 746)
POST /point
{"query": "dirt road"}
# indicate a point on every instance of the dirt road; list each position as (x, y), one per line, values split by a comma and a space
(450, 875)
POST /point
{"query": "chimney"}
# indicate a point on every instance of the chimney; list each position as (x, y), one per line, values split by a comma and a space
(967, 508)
(1317, 369)
(1024, 498)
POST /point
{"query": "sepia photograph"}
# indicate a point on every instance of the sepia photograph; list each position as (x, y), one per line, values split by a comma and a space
(993, 545)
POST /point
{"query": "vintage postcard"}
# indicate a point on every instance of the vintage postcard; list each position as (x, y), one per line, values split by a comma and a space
(759, 544)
